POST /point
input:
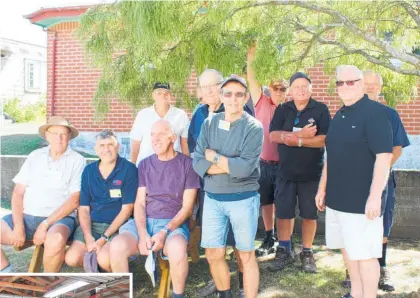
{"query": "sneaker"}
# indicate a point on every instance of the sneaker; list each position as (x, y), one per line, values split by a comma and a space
(241, 293)
(207, 290)
(347, 296)
(282, 259)
(268, 246)
(385, 281)
(346, 283)
(308, 261)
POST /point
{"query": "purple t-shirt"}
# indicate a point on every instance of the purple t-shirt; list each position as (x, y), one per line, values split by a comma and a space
(165, 182)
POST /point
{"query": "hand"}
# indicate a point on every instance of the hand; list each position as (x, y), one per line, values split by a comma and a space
(18, 236)
(90, 244)
(320, 200)
(252, 50)
(100, 243)
(291, 140)
(307, 132)
(158, 241)
(40, 234)
(210, 154)
(145, 244)
(373, 207)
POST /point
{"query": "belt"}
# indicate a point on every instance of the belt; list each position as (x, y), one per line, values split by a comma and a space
(270, 162)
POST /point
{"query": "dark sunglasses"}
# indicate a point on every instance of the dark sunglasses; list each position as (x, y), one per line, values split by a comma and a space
(229, 94)
(348, 83)
(297, 119)
(282, 89)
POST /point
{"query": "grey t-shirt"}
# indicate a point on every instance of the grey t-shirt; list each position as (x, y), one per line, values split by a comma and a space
(241, 144)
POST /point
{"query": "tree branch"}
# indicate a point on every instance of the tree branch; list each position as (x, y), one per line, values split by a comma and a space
(409, 9)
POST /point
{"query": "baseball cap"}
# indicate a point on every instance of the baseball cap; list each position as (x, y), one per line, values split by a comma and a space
(299, 75)
(235, 78)
(160, 85)
(90, 262)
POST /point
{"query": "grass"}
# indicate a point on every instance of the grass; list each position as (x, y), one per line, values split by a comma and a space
(403, 263)
(23, 144)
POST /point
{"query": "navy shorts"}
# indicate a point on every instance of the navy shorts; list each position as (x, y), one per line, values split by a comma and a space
(288, 193)
(389, 205)
(31, 223)
(267, 182)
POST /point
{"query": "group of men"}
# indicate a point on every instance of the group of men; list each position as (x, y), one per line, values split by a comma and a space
(229, 162)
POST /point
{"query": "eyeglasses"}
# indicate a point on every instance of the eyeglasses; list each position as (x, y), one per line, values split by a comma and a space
(57, 134)
(229, 94)
(297, 119)
(348, 83)
(282, 89)
(207, 87)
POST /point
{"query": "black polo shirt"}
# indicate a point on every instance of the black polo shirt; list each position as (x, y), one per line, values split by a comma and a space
(300, 163)
(357, 133)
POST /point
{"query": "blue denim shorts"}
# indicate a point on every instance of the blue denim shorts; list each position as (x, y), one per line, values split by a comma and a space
(154, 226)
(243, 216)
(31, 223)
(389, 205)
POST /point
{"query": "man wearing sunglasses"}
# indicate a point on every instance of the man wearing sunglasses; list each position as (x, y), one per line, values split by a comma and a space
(351, 190)
(227, 158)
(299, 128)
(209, 89)
(372, 87)
(269, 160)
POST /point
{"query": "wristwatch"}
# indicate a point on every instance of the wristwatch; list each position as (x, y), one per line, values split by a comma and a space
(216, 159)
(166, 230)
(300, 142)
(107, 239)
(45, 222)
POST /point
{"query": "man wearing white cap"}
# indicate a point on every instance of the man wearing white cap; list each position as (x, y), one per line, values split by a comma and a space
(45, 197)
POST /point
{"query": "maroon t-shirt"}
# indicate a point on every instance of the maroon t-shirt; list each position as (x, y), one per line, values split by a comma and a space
(165, 182)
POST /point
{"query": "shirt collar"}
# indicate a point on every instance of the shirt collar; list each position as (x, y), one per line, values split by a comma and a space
(291, 104)
(117, 168)
(357, 104)
(46, 151)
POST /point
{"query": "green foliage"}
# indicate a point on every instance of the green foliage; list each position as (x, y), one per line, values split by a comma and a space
(25, 112)
(137, 43)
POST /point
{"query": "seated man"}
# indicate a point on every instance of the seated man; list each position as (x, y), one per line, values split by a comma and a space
(108, 191)
(165, 200)
(45, 197)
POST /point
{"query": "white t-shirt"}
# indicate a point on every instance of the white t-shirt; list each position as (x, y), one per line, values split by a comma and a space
(142, 128)
(49, 183)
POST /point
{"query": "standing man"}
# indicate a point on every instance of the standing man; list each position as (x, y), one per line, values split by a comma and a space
(108, 191)
(45, 197)
(372, 87)
(227, 157)
(299, 127)
(141, 144)
(359, 146)
(269, 160)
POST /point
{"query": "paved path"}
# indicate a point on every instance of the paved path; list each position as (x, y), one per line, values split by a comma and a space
(19, 128)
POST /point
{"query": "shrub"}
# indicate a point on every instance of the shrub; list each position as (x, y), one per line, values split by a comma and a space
(25, 113)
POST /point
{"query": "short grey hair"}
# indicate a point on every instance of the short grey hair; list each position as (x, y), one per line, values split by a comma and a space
(106, 134)
(371, 72)
(217, 74)
(352, 68)
(167, 124)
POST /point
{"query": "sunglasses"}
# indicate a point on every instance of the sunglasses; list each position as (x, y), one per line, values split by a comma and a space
(229, 94)
(348, 83)
(297, 119)
(282, 89)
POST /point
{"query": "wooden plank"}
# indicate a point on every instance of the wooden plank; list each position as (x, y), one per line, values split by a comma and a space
(22, 286)
(14, 292)
(12, 279)
(53, 284)
(165, 279)
(36, 261)
(36, 280)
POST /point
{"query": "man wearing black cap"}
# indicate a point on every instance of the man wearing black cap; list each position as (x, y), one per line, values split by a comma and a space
(227, 158)
(299, 127)
(141, 142)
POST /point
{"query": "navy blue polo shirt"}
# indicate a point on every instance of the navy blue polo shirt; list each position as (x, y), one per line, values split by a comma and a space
(301, 163)
(105, 197)
(357, 133)
(197, 121)
(400, 137)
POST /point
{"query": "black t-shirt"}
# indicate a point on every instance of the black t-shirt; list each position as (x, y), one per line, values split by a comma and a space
(357, 133)
(300, 163)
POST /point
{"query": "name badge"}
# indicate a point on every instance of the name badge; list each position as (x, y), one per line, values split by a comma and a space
(297, 129)
(115, 193)
(224, 125)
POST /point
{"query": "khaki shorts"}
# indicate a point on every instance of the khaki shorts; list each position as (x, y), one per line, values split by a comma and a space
(359, 236)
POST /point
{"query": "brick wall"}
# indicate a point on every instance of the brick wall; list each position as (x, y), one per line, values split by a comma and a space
(75, 85)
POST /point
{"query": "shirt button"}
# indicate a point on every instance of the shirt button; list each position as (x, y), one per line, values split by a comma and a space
(343, 116)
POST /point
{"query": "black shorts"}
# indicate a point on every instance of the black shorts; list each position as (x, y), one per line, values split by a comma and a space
(288, 193)
(230, 241)
(267, 183)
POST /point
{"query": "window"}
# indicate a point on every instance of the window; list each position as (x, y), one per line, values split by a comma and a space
(32, 76)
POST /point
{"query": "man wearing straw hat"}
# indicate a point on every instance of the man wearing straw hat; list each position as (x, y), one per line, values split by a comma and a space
(45, 197)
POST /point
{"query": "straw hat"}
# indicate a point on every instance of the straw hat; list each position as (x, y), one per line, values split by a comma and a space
(60, 121)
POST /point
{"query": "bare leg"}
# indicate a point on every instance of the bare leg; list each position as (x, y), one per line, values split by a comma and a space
(5, 238)
(55, 247)
(268, 216)
(218, 267)
(355, 277)
(284, 226)
(176, 250)
(103, 257)
(251, 273)
(308, 232)
(122, 247)
(369, 271)
(74, 254)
